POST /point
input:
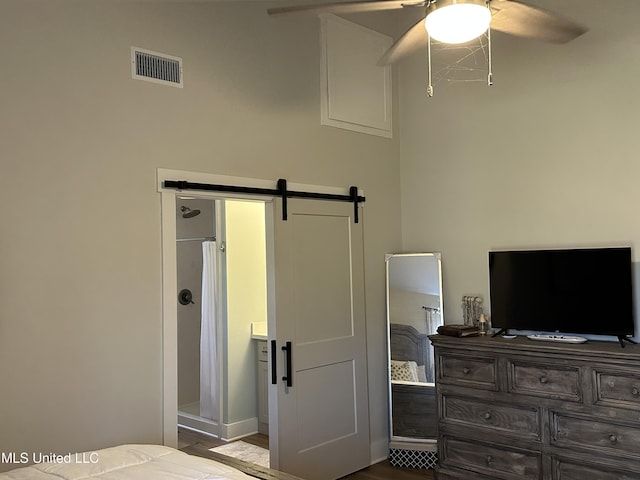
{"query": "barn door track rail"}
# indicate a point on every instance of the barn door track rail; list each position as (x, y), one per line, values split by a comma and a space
(280, 191)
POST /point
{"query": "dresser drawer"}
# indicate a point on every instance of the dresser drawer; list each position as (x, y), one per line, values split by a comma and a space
(570, 431)
(507, 418)
(571, 470)
(549, 381)
(617, 389)
(477, 372)
(493, 460)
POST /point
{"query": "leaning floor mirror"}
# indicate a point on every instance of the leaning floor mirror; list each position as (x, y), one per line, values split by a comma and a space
(414, 311)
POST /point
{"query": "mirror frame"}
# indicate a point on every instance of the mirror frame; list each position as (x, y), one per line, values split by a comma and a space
(431, 385)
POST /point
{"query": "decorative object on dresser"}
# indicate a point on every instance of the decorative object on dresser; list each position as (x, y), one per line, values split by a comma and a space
(519, 409)
(414, 311)
(471, 309)
(458, 330)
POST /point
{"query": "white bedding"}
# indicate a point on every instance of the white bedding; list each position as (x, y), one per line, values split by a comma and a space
(128, 462)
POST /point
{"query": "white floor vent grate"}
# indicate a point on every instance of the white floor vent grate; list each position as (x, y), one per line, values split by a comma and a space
(156, 67)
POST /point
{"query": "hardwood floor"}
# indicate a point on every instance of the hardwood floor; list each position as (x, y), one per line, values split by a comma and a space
(197, 443)
(188, 438)
(385, 471)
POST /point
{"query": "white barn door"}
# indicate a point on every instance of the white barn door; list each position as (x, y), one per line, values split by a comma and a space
(322, 417)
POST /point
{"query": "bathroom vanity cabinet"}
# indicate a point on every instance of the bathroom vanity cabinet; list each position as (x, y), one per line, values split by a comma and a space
(262, 354)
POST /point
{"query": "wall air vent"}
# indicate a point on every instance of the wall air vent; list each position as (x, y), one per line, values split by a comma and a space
(156, 67)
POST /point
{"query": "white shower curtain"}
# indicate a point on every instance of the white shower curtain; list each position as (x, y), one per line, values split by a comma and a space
(209, 395)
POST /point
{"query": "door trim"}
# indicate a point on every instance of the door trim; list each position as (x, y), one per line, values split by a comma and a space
(170, 282)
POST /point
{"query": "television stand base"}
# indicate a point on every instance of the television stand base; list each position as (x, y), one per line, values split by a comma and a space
(622, 339)
(502, 331)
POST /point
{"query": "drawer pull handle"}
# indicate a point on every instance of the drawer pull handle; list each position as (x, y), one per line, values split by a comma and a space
(613, 438)
(489, 459)
(487, 416)
(466, 370)
(635, 392)
(544, 380)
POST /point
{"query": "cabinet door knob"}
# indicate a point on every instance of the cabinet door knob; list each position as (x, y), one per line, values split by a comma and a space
(487, 416)
(466, 370)
(544, 380)
(613, 438)
(489, 459)
(635, 392)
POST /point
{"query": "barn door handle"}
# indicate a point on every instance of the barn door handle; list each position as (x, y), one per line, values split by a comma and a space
(288, 369)
(274, 358)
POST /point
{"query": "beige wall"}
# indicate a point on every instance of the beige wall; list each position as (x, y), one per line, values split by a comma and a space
(546, 157)
(246, 303)
(80, 253)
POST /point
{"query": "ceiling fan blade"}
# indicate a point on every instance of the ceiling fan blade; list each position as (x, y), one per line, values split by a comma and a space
(411, 40)
(515, 18)
(342, 7)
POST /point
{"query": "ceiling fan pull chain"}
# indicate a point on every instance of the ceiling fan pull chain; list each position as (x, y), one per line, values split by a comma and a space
(429, 86)
(489, 61)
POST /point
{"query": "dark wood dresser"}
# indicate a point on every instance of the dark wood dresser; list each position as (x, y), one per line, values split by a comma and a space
(525, 409)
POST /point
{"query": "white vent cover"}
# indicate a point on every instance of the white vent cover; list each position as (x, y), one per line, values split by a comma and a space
(156, 67)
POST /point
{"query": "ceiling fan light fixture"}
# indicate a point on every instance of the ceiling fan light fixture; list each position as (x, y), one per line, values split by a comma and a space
(457, 21)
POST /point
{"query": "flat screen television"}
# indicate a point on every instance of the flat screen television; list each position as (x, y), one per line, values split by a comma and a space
(579, 291)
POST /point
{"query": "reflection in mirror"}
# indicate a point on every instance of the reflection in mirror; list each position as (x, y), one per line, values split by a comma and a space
(414, 309)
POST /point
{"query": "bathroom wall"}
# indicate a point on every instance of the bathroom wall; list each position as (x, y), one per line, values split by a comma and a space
(189, 262)
(246, 303)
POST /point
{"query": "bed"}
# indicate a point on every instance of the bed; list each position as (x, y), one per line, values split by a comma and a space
(131, 462)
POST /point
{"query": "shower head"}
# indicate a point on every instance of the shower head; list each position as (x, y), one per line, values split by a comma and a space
(188, 213)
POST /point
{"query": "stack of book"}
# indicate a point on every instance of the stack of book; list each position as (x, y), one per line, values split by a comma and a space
(458, 330)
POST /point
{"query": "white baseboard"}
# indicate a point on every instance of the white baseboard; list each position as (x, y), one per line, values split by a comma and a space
(236, 430)
(379, 450)
(194, 422)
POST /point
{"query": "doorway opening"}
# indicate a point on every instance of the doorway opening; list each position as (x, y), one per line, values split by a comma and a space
(221, 315)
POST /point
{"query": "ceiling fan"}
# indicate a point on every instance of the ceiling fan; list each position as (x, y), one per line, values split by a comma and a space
(443, 18)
